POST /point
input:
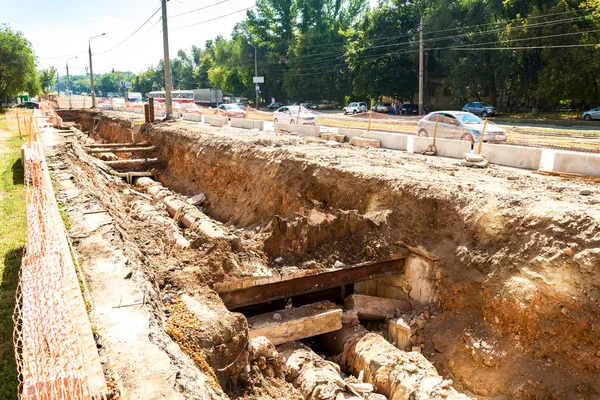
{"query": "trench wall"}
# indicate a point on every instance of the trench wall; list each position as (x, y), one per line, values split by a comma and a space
(490, 247)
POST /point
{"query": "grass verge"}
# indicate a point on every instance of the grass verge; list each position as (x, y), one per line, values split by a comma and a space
(13, 228)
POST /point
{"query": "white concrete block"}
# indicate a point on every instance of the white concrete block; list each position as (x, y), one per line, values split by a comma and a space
(399, 334)
(216, 121)
(192, 117)
(512, 156)
(388, 140)
(305, 130)
(576, 163)
(420, 144)
(420, 274)
(247, 123)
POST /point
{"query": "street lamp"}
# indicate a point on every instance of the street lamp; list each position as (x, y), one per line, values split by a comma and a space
(92, 70)
(420, 57)
(69, 80)
(255, 74)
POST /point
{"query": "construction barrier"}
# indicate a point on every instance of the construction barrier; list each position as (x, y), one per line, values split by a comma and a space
(54, 347)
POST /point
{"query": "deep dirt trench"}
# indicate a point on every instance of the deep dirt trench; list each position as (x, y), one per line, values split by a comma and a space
(513, 302)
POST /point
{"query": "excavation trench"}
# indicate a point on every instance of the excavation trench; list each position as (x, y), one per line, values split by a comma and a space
(399, 280)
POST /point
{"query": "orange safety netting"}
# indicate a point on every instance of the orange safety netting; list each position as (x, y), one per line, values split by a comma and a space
(55, 350)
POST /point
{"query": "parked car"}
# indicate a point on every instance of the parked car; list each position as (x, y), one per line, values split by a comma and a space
(289, 115)
(230, 110)
(459, 125)
(28, 104)
(327, 105)
(274, 105)
(478, 108)
(592, 114)
(187, 108)
(410, 109)
(355, 107)
(309, 104)
(382, 107)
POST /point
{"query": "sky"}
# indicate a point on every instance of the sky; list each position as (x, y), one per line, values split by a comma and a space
(60, 29)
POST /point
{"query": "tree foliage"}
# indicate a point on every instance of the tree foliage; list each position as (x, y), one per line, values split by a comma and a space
(515, 53)
(17, 65)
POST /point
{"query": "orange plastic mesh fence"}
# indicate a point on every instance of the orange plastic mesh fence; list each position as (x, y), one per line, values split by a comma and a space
(55, 350)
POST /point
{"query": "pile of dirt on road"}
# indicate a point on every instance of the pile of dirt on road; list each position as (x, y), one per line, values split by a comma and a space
(518, 276)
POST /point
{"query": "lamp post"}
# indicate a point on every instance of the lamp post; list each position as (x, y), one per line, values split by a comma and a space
(421, 84)
(92, 70)
(69, 81)
(255, 73)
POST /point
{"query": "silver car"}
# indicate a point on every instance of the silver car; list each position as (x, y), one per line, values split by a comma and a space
(478, 108)
(459, 125)
(592, 114)
(291, 114)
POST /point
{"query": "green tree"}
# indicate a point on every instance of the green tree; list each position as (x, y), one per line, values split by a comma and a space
(384, 59)
(47, 79)
(17, 65)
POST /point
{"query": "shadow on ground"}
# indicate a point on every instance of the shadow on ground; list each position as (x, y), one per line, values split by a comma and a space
(18, 172)
(8, 287)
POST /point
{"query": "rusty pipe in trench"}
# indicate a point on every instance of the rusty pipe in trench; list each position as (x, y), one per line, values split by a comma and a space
(189, 216)
(396, 374)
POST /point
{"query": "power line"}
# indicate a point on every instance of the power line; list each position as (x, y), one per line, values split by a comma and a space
(340, 53)
(212, 19)
(129, 37)
(198, 9)
(526, 47)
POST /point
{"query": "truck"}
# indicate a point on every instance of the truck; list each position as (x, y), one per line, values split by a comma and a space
(208, 97)
(134, 97)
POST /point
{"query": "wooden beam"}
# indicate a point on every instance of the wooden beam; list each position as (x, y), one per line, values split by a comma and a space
(293, 324)
(121, 149)
(262, 290)
(104, 145)
(373, 308)
(123, 164)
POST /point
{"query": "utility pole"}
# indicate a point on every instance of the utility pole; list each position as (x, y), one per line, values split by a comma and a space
(167, 65)
(255, 74)
(421, 65)
(92, 70)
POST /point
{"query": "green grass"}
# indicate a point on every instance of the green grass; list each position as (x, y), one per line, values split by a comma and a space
(13, 227)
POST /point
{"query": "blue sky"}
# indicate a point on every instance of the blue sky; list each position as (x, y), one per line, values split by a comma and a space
(58, 29)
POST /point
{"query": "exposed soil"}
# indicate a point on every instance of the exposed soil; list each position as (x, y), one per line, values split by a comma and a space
(519, 254)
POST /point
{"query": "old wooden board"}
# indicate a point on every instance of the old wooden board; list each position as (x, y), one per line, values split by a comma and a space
(263, 290)
(104, 145)
(122, 164)
(120, 149)
(296, 323)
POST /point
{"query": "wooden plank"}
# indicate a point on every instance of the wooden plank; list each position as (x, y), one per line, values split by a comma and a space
(94, 145)
(566, 175)
(121, 149)
(296, 323)
(283, 287)
(122, 164)
(373, 308)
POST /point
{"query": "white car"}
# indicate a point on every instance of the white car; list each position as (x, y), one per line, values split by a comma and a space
(291, 114)
(592, 114)
(459, 125)
(355, 107)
